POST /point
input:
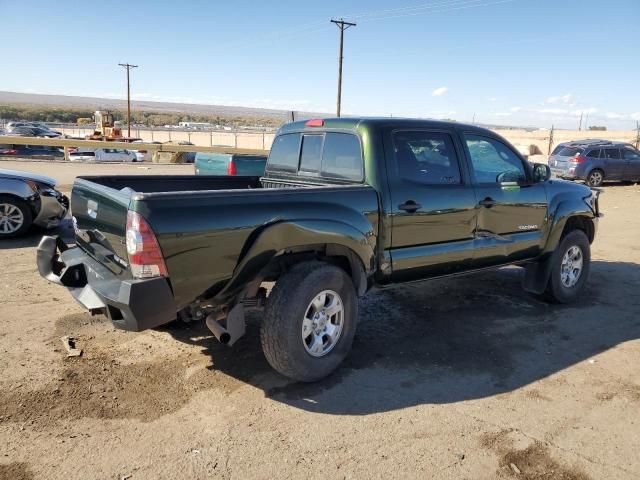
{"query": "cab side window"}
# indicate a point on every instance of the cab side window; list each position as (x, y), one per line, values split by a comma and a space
(493, 162)
(426, 157)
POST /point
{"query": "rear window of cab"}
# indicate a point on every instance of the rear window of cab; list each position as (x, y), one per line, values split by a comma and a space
(326, 154)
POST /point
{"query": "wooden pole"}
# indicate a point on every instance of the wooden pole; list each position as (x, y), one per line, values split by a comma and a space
(342, 25)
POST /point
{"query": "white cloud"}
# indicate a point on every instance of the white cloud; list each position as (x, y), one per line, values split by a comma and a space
(503, 114)
(438, 92)
(635, 116)
(567, 99)
(492, 99)
(615, 116)
(515, 109)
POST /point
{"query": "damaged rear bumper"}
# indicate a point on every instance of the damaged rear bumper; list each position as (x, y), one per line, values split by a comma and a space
(131, 304)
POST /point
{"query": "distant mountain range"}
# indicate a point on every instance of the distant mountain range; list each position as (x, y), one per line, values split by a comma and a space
(94, 103)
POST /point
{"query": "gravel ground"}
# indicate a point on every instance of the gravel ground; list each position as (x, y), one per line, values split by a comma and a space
(462, 378)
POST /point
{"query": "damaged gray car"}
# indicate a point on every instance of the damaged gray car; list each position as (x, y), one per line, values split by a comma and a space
(28, 199)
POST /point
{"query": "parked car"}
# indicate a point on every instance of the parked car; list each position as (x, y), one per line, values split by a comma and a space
(144, 155)
(229, 164)
(103, 155)
(595, 161)
(31, 151)
(33, 131)
(345, 205)
(28, 199)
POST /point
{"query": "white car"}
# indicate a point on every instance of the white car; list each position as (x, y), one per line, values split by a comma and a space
(144, 155)
(103, 155)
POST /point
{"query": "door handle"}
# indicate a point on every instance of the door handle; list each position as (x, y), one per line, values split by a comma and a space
(410, 206)
(487, 202)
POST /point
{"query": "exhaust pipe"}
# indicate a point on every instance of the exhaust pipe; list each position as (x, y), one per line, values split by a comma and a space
(218, 330)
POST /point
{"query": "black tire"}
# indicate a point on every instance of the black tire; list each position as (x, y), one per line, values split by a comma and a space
(288, 303)
(595, 178)
(556, 290)
(27, 216)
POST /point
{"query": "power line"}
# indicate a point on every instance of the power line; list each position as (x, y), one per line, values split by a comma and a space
(342, 25)
(422, 9)
(408, 8)
(128, 66)
(459, 6)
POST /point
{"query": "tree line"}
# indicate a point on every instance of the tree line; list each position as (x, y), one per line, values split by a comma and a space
(140, 117)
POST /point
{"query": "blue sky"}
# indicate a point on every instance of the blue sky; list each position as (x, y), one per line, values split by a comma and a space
(517, 62)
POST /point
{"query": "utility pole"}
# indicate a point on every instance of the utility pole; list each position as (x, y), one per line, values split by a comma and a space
(128, 67)
(550, 141)
(342, 25)
(473, 121)
(580, 124)
(638, 135)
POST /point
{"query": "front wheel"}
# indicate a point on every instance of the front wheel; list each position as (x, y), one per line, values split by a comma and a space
(570, 268)
(310, 321)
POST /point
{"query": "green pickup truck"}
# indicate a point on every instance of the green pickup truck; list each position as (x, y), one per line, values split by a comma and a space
(345, 205)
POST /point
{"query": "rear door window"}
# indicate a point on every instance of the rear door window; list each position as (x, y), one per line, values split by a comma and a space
(342, 157)
(284, 152)
(595, 153)
(426, 157)
(612, 153)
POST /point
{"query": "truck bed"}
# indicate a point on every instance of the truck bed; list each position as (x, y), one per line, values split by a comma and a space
(176, 183)
(206, 225)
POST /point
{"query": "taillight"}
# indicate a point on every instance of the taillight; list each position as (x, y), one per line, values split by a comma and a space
(316, 122)
(231, 168)
(9, 152)
(579, 159)
(145, 256)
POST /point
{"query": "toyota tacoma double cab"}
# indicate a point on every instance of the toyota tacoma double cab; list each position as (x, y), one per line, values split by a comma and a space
(345, 205)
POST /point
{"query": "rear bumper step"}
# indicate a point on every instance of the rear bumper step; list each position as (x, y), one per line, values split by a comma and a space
(131, 304)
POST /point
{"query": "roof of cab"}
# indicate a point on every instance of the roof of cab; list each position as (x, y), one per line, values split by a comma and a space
(353, 123)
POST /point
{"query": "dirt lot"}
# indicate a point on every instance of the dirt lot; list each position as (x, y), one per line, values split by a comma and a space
(468, 378)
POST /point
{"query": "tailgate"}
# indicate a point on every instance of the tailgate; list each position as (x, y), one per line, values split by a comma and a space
(100, 222)
(250, 165)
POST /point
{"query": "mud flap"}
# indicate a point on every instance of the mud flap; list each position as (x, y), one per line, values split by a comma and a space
(536, 276)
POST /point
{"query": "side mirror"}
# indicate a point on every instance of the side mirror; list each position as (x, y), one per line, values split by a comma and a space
(541, 172)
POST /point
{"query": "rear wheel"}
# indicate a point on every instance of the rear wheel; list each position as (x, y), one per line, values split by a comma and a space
(595, 178)
(570, 268)
(310, 321)
(15, 217)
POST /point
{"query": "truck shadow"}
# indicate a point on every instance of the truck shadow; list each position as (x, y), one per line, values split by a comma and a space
(448, 341)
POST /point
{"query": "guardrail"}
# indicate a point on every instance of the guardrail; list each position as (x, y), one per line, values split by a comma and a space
(163, 147)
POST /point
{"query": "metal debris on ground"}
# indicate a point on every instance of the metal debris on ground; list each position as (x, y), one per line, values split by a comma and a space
(70, 346)
(515, 468)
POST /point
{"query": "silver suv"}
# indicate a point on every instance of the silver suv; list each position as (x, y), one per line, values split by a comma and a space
(595, 161)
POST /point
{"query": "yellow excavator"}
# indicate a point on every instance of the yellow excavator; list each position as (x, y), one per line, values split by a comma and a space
(105, 127)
